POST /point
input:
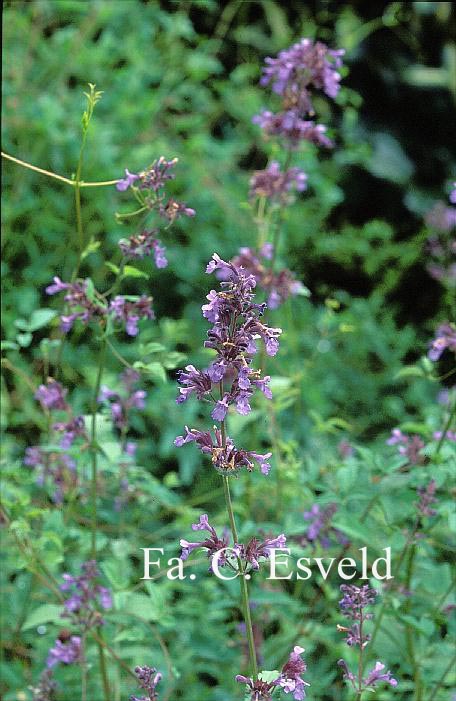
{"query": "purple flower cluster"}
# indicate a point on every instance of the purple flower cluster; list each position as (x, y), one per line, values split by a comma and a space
(66, 650)
(236, 328)
(226, 458)
(83, 305)
(52, 395)
(408, 446)
(249, 554)
(275, 184)
(289, 680)
(375, 676)
(151, 183)
(427, 497)
(144, 244)
(59, 468)
(320, 529)
(149, 188)
(86, 305)
(85, 597)
(445, 339)
(129, 311)
(353, 604)
(148, 678)
(121, 403)
(296, 71)
(278, 286)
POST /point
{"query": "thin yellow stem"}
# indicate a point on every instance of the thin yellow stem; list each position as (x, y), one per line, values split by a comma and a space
(56, 176)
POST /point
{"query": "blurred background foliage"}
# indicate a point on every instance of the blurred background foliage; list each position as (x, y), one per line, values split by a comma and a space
(181, 79)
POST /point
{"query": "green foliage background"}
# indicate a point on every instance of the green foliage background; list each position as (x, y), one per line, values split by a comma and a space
(181, 79)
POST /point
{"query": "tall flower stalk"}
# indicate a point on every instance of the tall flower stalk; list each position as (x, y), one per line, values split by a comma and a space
(230, 381)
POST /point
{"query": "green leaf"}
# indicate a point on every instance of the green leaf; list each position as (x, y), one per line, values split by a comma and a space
(46, 613)
(131, 271)
(40, 318)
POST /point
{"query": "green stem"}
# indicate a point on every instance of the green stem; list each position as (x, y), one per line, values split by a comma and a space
(243, 583)
(94, 445)
(408, 631)
(445, 430)
(50, 174)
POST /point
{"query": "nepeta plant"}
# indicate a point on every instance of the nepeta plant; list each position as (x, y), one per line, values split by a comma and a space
(353, 605)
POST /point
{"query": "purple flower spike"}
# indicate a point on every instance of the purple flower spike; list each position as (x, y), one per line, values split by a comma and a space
(445, 338)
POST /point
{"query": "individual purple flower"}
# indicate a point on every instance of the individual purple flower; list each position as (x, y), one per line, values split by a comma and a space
(127, 182)
(213, 544)
(441, 252)
(276, 185)
(320, 528)
(445, 339)
(83, 304)
(148, 678)
(130, 311)
(377, 675)
(427, 497)
(52, 395)
(64, 651)
(193, 381)
(85, 596)
(72, 429)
